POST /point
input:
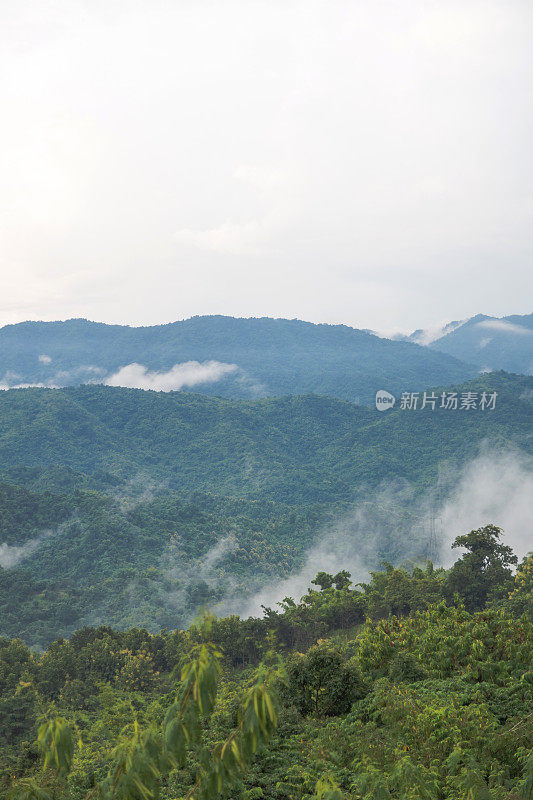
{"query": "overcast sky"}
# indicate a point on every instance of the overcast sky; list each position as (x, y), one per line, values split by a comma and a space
(366, 162)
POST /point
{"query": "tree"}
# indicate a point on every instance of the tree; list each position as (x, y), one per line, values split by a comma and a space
(340, 581)
(143, 759)
(484, 570)
(520, 599)
(324, 580)
(320, 682)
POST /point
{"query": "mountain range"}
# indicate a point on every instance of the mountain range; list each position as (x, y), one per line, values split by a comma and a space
(246, 358)
(124, 506)
(127, 507)
(224, 356)
(489, 343)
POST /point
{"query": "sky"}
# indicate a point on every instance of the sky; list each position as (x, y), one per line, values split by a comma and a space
(365, 162)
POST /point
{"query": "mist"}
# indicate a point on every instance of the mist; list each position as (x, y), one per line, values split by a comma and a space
(495, 487)
(185, 375)
(84, 373)
(12, 555)
(184, 574)
(139, 490)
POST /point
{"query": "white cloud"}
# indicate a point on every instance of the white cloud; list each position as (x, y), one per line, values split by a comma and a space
(185, 375)
(494, 487)
(11, 555)
(44, 359)
(5, 386)
(502, 326)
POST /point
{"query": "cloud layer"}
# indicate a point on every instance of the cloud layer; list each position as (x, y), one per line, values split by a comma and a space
(85, 373)
(502, 326)
(185, 375)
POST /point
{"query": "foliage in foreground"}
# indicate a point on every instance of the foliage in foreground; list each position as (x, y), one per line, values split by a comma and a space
(425, 698)
(143, 758)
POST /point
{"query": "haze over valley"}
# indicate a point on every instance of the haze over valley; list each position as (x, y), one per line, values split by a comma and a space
(138, 506)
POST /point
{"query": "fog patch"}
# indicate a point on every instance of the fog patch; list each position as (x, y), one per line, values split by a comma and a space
(502, 326)
(85, 373)
(356, 541)
(186, 574)
(254, 387)
(404, 525)
(4, 386)
(138, 490)
(184, 375)
(12, 555)
(215, 554)
(494, 488)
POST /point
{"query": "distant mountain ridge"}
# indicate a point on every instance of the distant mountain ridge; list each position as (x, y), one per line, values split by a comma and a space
(489, 343)
(248, 357)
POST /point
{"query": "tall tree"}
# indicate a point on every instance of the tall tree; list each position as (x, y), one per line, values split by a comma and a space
(484, 569)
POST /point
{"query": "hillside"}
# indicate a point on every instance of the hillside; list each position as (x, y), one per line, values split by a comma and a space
(262, 357)
(68, 560)
(131, 507)
(416, 684)
(290, 449)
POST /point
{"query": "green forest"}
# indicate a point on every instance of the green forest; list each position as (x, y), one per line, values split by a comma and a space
(271, 357)
(140, 564)
(417, 684)
(136, 508)
(130, 521)
(293, 449)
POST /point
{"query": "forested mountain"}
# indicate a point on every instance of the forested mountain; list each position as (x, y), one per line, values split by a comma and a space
(491, 343)
(261, 357)
(131, 507)
(89, 558)
(290, 449)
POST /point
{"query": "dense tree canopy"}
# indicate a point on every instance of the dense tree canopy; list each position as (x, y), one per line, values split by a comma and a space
(391, 689)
